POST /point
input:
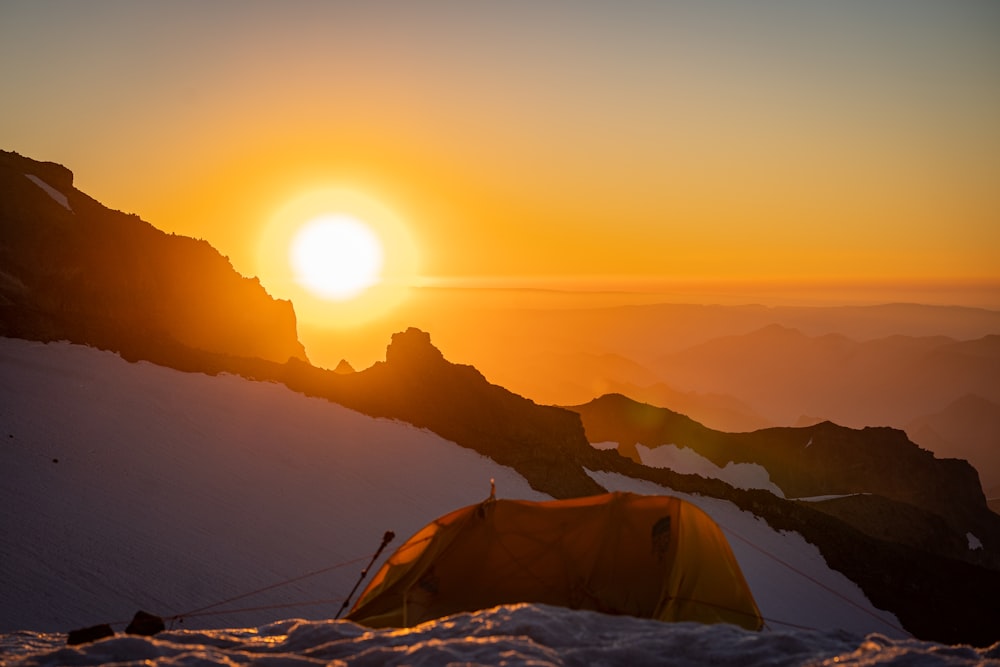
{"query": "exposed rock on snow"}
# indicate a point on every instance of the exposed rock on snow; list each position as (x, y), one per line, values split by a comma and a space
(516, 636)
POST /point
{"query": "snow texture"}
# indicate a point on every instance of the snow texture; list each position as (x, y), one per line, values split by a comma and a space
(689, 462)
(131, 486)
(517, 635)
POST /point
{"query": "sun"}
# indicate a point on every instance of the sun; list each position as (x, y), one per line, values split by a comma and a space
(341, 257)
(336, 257)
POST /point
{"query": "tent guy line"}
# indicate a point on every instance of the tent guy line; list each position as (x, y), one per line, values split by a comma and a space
(207, 610)
(812, 579)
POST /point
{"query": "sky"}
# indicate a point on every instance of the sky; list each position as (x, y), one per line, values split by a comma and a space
(537, 143)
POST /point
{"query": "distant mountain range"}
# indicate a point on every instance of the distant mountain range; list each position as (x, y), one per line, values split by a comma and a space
(75, 270)
(741, 368)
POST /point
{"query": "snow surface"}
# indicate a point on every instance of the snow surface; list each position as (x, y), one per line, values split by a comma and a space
(50, 191)
(528, 635)
(176, 490)
(130, 486)
(686, 461)
(974, 542)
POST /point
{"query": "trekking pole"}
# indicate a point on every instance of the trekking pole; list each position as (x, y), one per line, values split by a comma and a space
(388, 537)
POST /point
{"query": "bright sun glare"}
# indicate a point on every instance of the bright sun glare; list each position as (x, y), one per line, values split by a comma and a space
(341, 257)
(336, 257)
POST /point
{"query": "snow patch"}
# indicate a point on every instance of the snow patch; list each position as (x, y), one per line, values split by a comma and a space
(689, 462)
(610, 444)
(59, 197)
(974, 542)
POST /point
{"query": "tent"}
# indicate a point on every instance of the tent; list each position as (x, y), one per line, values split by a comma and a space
(619, 553)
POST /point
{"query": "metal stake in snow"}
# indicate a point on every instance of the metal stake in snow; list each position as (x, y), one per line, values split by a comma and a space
(388, 537)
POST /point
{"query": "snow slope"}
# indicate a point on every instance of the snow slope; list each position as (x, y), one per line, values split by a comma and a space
(129, 486)
(175, 490)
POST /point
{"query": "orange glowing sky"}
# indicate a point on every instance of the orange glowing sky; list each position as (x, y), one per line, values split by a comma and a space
(539, 142)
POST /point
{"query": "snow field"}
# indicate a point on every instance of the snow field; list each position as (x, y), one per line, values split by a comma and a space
(174, 490)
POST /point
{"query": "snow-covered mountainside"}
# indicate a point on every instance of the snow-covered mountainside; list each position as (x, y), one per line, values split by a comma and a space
(134, 486)
(129, 486)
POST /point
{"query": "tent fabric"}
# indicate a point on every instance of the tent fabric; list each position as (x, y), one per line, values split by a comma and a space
(619, 553)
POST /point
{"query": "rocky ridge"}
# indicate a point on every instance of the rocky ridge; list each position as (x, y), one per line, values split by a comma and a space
(71, 268)
(819, 460)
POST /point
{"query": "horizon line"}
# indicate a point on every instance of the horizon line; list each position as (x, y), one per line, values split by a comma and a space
(966, 292)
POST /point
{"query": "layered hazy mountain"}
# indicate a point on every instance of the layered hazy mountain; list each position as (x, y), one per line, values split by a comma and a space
(927, 369)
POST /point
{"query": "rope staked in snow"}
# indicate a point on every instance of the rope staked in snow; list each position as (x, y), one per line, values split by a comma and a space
(815, 581)
(388, 537)
(203, 611)
(266, 607)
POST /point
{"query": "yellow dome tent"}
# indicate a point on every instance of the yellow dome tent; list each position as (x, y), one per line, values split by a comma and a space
(620, 553)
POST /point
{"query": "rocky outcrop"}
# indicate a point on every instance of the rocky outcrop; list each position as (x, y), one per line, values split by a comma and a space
(935, 597)
(92, 275)
(344, 367)
(418, 385)
(827, 459)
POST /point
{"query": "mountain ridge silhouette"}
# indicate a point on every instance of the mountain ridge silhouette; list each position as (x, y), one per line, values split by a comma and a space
(93, 275)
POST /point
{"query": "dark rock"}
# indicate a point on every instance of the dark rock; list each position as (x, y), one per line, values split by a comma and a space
(344, 368)
(145, 624)
(418, 385)
(56, 175)
(412, 348)
(819, 460)
(87, 635)
(104, 278)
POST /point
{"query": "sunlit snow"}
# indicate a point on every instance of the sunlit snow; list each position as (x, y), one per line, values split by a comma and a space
(518, 635)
